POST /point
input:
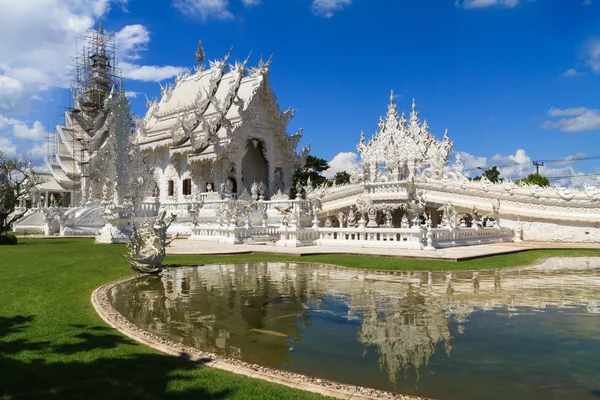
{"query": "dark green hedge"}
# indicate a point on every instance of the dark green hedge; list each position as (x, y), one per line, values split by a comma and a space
(8, 240)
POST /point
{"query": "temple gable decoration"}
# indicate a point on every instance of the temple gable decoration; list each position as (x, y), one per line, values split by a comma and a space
(402, 149)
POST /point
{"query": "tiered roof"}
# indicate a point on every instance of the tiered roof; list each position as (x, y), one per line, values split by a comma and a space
(199, 113)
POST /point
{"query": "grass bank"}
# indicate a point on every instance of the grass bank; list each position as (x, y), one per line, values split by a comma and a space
(53, 345)
(391, 263)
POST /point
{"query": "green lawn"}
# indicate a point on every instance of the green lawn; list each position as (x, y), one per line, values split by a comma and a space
(53, 345)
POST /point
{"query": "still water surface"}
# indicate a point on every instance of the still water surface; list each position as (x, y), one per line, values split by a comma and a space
(532, 333)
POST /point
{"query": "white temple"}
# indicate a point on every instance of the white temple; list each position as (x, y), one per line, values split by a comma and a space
(217, 131)
(216, 152)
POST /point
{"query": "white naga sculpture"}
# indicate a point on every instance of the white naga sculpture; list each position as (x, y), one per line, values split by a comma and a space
(147, 244)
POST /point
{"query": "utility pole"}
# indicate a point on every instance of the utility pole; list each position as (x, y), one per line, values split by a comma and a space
(537, 167)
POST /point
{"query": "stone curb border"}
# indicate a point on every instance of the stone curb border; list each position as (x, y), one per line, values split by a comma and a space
(112, 317)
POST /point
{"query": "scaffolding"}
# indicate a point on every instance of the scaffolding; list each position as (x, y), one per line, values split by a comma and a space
(94, 75)
(51, 146)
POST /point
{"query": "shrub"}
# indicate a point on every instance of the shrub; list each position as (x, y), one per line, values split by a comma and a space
(8, 240)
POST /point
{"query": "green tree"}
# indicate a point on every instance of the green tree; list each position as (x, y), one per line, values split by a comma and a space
(535, 179)
(313, 169)
(341, 178)
(17, 179)
(492, 174)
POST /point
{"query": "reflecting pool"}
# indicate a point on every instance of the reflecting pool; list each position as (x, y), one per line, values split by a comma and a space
(531, 333)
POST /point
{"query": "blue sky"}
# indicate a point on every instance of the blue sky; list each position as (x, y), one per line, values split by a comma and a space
(512, 80)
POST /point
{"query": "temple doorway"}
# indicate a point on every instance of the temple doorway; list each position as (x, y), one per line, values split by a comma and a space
(254, 164)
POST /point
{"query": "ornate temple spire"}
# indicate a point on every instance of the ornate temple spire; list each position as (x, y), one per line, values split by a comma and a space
(100, 29)
(392, 120)
(414, 115)
(403, 121)
(200, 53)
(381, 124)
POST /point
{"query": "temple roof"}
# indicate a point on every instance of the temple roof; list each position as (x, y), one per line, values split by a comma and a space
(204, 95)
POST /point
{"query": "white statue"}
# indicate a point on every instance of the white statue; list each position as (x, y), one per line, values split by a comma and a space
(351, 221)
(146, 249)
(388, 218)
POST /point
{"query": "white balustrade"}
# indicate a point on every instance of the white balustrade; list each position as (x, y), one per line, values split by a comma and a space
(229, 234)
(291, 236)
(411, 238)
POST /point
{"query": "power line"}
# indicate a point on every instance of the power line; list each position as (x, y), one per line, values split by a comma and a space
(549, 161)
(571, 176)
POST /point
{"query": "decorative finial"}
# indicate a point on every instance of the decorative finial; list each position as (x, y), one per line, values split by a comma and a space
(392, 97)
(414, 105)
(100, 28)
(199, 53)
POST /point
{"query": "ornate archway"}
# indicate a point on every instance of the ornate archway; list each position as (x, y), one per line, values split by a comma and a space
(255, 167)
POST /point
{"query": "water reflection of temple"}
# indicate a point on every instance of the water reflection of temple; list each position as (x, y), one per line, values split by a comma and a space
(257, 311)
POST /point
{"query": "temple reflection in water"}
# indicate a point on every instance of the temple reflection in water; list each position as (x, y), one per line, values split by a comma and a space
(260, 312)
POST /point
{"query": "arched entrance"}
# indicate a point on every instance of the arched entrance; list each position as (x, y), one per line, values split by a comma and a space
(255, 167)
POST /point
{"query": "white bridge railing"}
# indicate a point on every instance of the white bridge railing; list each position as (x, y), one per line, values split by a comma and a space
(232, 234)
(412, 238)
(416, 238)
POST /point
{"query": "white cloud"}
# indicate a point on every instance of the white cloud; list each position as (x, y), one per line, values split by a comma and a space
(7, 147)
(471, 162)
(592, 54)
(519, 165)
(580, 119)
(14, 94)
(558, 112)
(345, 161)
(37, 132)
(43, 36)
(205, 9)
(250, 3)
(570, 73)
(131, 94)
(487, 3)
(586, 3)
(131, 40)
(326, 8)
(572, 159)
(149, 73)
(19, 139)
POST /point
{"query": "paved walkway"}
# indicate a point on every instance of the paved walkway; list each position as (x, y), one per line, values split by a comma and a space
(192, 247)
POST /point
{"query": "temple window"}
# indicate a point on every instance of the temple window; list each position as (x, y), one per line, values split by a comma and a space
(187, 187)
(170, 188)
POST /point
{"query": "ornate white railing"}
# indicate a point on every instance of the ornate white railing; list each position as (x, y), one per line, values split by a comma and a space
(291, 236)
(443, 237)
(232, 234)
(415, 238)
(411, 238)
